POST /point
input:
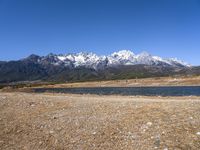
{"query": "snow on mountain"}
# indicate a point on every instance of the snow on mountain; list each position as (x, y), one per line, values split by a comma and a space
(123, 57)
(145, 58)
(177, 61)
(86, 59)
(89, 60)
(127, 57)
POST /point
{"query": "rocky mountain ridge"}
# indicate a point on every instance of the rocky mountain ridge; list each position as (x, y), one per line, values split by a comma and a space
(89, 66)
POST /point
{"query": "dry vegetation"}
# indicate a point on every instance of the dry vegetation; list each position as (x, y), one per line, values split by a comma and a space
(65, 121)
(159, 81)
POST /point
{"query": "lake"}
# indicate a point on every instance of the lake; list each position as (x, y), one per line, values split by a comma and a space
(142, 91)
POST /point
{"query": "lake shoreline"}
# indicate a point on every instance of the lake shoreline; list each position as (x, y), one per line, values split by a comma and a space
(129, 91)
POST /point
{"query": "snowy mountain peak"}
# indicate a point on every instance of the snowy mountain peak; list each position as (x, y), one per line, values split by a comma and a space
(125, 54)
(123, 57)
(177, 61)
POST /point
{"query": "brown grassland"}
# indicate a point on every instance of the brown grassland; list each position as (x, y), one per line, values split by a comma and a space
(159, 81)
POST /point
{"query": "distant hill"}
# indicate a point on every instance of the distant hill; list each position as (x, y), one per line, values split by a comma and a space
(88, 66)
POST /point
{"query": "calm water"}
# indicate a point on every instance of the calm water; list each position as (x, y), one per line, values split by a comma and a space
(143, 91)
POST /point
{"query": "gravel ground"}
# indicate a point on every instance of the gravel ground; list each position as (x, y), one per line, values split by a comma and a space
(66, 121)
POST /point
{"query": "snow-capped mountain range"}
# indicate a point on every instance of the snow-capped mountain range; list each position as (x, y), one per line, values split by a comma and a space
(123, 57)
(85, 66)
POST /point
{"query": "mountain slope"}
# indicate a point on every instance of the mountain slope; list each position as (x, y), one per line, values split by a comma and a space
(88, 66)
(91, 60)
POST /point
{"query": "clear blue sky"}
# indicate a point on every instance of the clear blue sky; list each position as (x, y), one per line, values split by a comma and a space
(167, 28)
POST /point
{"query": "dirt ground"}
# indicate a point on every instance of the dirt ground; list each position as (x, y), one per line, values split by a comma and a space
(80, 122)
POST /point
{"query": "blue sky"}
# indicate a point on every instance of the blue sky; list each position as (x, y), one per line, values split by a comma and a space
(167, 28)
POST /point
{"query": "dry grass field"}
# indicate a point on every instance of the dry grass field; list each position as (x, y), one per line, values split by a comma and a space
(31, 121)
(159, 81)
